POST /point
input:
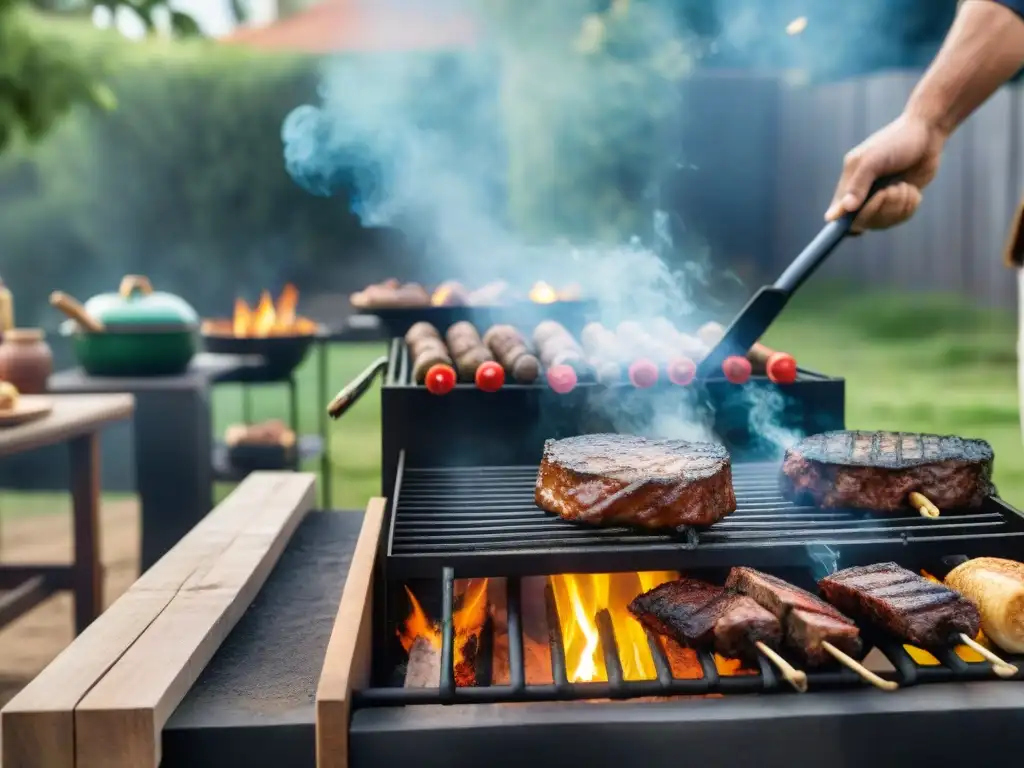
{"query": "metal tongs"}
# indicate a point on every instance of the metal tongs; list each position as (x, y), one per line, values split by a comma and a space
(764, 306)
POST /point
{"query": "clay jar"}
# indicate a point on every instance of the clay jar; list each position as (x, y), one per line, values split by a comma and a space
(26, 360)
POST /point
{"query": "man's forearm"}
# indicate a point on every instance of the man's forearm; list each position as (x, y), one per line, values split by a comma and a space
(984, 49)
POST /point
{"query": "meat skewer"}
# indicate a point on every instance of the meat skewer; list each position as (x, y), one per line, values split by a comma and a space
(887, 471)
(812, 628)
(510, 349)
(426, 350)
(903, 603)
(780, 367)
(704, 616)
(467, 349)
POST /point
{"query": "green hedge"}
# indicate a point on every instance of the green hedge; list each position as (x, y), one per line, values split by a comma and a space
(184, 181)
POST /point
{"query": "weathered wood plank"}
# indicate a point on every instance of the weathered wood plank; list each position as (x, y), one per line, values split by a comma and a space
(347, 662)
(38, 723)
(119, 722)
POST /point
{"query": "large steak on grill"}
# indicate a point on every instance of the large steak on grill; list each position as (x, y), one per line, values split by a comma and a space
(878, 470)
(610, 479)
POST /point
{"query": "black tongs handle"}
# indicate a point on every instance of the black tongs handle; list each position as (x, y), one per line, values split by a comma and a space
(819, 249)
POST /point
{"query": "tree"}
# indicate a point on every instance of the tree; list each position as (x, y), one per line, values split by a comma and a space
(43, 75)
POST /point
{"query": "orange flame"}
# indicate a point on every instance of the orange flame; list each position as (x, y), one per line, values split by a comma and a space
(270, 319)
(468, 620)
(441, 296)
(542, 293)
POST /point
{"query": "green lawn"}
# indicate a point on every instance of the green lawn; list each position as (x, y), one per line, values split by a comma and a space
(912, 363)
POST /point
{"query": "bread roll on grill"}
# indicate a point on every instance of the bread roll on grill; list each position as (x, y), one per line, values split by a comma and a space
(996, 587)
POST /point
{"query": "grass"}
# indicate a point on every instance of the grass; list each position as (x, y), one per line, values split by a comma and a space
(911, 363)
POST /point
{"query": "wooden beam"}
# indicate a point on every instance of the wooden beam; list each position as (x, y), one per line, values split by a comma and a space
(23, 597)
(347, 662)
(119, 722)
(38, 723)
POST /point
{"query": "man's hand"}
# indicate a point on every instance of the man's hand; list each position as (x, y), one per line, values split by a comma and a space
(909, 148)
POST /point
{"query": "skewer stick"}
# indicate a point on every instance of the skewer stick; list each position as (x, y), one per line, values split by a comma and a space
(923, 505)
(791, 674)
(1003, 669)
(852, 664)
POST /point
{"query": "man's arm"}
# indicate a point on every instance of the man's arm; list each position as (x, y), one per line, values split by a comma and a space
(984, 49)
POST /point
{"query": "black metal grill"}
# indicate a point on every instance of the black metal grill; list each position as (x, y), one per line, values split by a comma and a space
(906, 671)
(482, 521)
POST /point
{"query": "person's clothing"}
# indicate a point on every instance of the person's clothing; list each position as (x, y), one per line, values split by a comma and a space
(1014, 257)
(1013, 5)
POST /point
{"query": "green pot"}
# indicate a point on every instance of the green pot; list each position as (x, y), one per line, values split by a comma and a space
(145, 333)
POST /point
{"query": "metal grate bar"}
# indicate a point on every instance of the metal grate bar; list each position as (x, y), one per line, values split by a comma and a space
(558, 670)
(661, 664)
(447, 685)
(483, 521)
(907, 672)
(610, 650)
(513, 620)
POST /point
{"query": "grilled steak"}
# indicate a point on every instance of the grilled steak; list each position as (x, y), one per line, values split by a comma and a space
(703, 616)
(806, 619)
(878, 470)
(919, 611)
(621, 479)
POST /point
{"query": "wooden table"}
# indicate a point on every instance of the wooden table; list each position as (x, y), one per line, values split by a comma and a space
(75, 420)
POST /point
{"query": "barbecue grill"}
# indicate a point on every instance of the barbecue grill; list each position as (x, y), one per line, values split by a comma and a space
(573, 314)
(469, 427)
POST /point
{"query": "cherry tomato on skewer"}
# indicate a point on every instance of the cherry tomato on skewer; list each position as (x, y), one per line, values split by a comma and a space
(440, 379)
(737, 369)
(643, 373)
(562, 378)
(681, 371)
(490, 376)
(781, 368)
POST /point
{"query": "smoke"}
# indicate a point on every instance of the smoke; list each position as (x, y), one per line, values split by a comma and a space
(766, 409)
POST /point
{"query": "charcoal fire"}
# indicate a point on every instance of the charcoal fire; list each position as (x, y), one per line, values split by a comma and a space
(264, 320)
(421, 638)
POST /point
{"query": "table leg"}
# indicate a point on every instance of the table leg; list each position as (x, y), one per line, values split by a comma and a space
(85, 506)
(325, 455)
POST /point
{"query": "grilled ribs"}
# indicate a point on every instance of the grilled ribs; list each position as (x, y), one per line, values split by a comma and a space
(915, 609)
(609, 479)
(878, 470)
(703, 616)
(806, 619)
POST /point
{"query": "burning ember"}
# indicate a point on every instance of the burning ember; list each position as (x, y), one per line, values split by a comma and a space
(268, 318)
(578, 599)
(543, 293)
(469, 618)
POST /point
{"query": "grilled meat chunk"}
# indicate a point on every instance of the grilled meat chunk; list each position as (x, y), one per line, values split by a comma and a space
(919, 611)
(806, 619)
(609, 479)
(878, 470)
(703, 616)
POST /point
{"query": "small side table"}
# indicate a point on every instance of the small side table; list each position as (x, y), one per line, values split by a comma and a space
(75, 420)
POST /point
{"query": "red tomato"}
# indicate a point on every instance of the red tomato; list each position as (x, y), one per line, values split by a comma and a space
(736, 369)
(681, 371)
(440, 379)
(562, 378)
(490, 376)
(643, 373)
(781, 368)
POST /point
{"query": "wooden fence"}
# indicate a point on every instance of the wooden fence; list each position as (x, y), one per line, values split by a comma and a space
(955, 242)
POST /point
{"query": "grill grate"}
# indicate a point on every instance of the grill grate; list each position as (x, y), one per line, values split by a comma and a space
(906, 671)
(482, 521)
